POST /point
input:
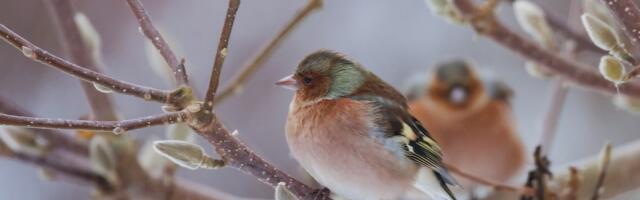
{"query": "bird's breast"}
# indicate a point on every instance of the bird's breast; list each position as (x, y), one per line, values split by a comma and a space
(331, 140)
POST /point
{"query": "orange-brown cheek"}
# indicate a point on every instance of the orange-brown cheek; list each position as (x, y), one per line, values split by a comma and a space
(316, 90)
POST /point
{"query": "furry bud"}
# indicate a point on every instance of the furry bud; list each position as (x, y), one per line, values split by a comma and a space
(103, 158)
(626, 103)
(23, 140)
(611, 69)
(282, 193)
(446, 10)
(532, 19)
(600, 33)
(187, 155)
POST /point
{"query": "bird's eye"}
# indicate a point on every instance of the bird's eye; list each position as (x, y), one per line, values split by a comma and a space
(307, 80)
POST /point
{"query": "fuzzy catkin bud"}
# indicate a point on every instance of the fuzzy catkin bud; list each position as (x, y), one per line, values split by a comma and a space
(611, 69)
(446, 10)
(532, 19)
(282, 193)
(631, 105)
(600, 33)
(187, 155)
(103, 158)
(23, 140)
(536, 70)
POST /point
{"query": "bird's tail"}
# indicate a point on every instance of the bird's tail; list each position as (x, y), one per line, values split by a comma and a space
(436, 183)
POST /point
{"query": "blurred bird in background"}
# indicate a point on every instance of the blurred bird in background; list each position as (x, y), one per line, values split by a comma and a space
(354, 135)
(471, 118)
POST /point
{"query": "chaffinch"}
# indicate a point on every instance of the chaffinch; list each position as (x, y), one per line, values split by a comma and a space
(471, 118)
(353, 133)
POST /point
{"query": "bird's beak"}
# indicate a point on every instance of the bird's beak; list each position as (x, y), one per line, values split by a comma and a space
(288, 82)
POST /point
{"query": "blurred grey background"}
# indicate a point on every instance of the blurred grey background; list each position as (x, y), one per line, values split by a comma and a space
(395, 39)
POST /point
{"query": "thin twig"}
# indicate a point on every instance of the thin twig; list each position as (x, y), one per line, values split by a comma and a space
(55, 138)
(221, 54)
(604, 166)
(36, 53)
(78, 51)
(115, 126)
(179, 72)
(61, 167)
(236, 83)
(477, 179)
(626, 12)
(232, 151)
(485, 23)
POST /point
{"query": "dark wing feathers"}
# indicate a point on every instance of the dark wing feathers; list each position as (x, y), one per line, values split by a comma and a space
(397, 123)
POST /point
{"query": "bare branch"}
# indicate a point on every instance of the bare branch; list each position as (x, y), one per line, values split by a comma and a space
(237, 155)
(68, 170)
(236, 83)
(179, 72)
(626, 12)
(57, 139)
(485, 23)
(78, 51)
(115, 126)
(38, 54)
(602, 172)
(221, 54)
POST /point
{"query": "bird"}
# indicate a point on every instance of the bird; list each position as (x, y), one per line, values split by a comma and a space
(353, 133)
(469, 113)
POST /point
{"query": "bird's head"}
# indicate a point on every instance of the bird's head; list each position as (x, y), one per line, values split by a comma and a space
(324, 75)
(456, 85)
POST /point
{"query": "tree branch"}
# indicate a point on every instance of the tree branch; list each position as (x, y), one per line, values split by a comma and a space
(221, 54)
(237, 155)
(485, 23)
(79, 52)
(56, 138)
(627, 13)
(178, 69)
(66, 170)
(38, 54)
(233, 152)
(621, 175)
(236, 83)
(114, 126)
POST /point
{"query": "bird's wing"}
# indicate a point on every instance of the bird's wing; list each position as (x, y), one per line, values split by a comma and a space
(416, 143)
